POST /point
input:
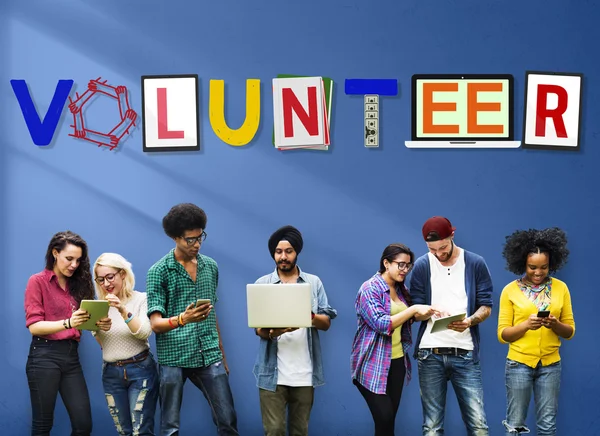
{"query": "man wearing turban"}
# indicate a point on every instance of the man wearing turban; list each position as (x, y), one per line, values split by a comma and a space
(289, 364)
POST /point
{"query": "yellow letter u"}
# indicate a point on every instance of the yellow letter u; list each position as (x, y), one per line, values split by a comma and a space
(244, 134)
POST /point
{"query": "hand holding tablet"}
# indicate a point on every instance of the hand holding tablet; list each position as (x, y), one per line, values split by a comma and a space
(97, 309)
(441, 324)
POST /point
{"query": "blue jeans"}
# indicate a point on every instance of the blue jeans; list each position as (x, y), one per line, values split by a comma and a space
(521, 380)
(213, 381)
(465, 375)
(131, 393)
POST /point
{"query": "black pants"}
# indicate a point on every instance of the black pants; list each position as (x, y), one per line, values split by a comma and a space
(384, 407)
(53, 367)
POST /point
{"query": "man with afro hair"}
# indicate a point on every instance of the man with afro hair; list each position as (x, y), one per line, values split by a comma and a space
(188, 341)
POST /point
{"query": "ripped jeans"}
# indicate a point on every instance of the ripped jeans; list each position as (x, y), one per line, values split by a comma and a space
(521, 381)
(131, 393)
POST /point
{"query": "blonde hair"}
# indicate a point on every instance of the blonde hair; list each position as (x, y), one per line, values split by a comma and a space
(118, 262)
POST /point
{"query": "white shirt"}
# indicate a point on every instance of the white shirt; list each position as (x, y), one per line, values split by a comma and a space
(120, 343)
(448, 293)
(294, 366)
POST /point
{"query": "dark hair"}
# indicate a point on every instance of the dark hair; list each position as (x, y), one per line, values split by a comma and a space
(80, 283)
(433, 236)
(389, 253)
(520, 244)
(183, 217)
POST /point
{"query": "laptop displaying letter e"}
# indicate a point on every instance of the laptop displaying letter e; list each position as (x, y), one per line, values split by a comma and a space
(462, 111)
(278, 305)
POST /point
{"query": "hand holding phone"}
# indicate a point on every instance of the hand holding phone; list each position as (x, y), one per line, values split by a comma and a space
(197, 311)
(543, 314)
(202, 301)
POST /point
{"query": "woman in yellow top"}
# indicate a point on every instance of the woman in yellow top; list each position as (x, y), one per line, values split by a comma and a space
(535, 312)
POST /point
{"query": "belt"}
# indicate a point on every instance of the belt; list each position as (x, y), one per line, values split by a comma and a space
(137, 358)
(448, 351)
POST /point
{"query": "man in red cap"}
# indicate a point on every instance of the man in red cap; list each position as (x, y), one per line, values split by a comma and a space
(455, 281)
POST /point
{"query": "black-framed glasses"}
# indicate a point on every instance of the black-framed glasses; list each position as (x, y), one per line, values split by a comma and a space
(108, 277)
(403, 265)
(200, 239)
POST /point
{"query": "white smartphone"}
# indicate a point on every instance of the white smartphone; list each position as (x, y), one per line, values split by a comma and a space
(202, 301)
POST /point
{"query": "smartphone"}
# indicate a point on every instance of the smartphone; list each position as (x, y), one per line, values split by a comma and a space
(543, 314)
(202, 301)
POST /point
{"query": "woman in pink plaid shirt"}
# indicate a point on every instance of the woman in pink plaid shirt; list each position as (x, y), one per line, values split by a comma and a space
(385, 313)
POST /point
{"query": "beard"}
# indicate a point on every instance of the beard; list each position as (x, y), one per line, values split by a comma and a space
(286, 266)
(447, 256)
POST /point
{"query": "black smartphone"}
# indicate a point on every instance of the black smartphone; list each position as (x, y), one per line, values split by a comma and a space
(543, 314)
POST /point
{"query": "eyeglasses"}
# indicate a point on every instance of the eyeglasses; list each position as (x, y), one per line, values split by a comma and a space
(200, 239)
(403, 265)
(108, 277)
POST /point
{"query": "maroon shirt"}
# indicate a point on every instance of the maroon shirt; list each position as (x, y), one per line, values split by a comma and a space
(45, 300)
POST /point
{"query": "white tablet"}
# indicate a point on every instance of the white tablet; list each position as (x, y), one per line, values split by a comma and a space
(441, 324)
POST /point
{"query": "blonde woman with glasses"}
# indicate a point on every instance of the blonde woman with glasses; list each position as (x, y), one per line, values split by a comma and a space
(129, 373)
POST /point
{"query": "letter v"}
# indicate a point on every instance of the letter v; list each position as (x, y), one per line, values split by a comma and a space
(42, 132)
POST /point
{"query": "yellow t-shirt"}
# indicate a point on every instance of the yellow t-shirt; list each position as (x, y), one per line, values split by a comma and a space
(397, 350)
(535, 345)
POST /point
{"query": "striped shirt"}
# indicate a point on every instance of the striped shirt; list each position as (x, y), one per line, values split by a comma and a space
(170, 289)
(371, 355)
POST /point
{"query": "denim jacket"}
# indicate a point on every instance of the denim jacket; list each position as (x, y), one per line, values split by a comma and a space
(265, 367)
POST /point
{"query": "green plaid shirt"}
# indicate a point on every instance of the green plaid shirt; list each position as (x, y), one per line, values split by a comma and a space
(170, 289)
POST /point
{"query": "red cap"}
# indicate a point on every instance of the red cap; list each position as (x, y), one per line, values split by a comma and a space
(442, 226)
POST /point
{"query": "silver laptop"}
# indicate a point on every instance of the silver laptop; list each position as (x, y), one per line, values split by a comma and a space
(278, 305)
(462, 111)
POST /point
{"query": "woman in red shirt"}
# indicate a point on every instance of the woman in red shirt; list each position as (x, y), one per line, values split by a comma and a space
(52, 299)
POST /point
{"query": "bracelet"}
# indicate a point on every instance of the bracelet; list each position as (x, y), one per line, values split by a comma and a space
(180, 320)
(172, 325)
(65, 325)
(70, 323)
(129, 318)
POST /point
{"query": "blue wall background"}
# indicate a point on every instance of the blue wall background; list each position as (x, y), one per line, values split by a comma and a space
(349, 202)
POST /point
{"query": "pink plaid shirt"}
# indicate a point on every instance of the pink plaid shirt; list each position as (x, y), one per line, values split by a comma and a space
(372, 346)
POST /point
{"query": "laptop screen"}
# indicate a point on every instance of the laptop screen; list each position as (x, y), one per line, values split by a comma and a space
(462, 107)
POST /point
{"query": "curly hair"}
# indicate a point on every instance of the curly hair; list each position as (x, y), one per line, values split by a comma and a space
(80, 283)
(389, 253)
(520, 244)
(183, 217)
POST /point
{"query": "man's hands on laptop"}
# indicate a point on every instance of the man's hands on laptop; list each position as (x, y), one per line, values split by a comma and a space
(278, 332)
